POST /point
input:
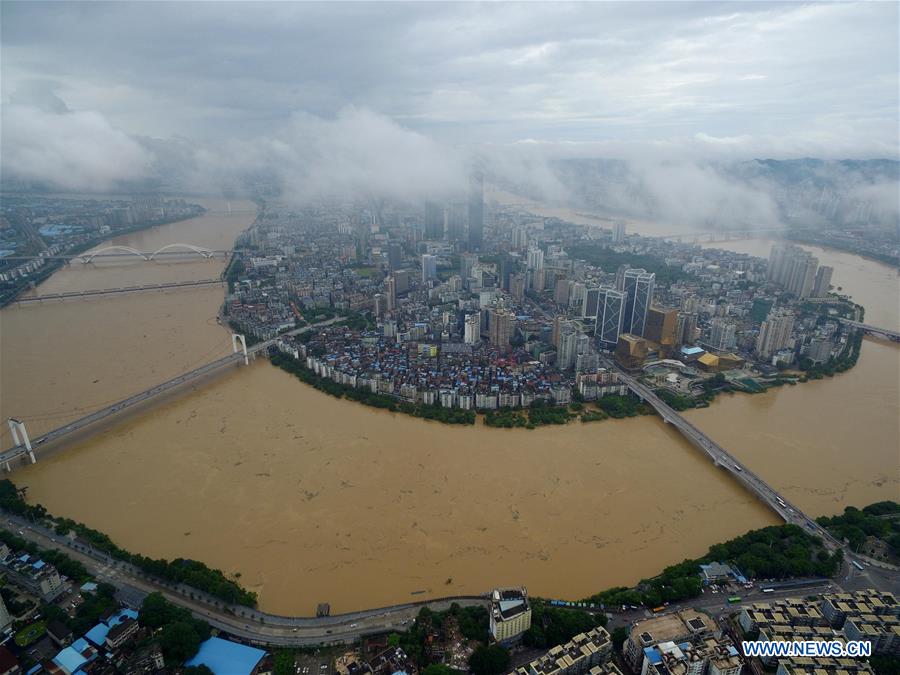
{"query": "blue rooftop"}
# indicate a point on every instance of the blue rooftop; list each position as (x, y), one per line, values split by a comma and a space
(652, 654)
(71, 658)
(224, 657)
(97, 634)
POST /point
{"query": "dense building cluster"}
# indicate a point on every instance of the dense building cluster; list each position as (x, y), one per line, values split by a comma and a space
(512, 308)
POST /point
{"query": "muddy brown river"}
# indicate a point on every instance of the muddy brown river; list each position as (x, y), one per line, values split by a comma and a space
(313, 500)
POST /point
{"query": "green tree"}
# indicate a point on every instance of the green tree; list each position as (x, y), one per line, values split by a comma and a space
(489, 660)
(439, 669)
(619, 635)
(202, 669)
(179, 642)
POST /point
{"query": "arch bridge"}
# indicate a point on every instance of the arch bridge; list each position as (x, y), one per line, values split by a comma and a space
(124, 251)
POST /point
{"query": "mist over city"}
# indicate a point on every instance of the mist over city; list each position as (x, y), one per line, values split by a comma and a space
(449, 338)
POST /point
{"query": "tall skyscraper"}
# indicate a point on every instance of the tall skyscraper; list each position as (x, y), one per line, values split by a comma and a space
(638, 287)
(455, 222)
(476, 211)
(610, 317)
(775, 332)
(434, 221)
(591, 303)
(429, 267)
(618, 233)
(823, 282)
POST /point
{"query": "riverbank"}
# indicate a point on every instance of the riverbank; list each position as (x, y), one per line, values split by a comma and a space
(191, 572)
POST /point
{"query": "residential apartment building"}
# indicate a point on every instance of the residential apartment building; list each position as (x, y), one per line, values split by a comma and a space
(684, 626)
(582, 654)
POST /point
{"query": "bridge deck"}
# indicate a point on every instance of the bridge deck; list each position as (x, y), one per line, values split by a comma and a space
(724, 459)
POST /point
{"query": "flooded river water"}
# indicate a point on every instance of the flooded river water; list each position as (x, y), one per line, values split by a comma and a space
(313, 500)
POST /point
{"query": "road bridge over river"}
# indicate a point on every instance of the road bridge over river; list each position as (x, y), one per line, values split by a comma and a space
(877, 331)
(115, 291)
(28, 448)
(724, 459)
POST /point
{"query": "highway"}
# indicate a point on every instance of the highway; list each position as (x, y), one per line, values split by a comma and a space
(112, 291)
(242, 622)
(142, 397)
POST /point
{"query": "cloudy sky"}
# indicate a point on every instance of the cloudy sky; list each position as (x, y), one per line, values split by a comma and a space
(97, 88)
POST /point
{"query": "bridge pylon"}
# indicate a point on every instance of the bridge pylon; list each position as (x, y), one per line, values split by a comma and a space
(20, 438)
(239, 344)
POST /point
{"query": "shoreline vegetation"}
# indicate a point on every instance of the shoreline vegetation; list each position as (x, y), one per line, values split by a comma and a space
(541, 413)
(180, 570)
(538, 414)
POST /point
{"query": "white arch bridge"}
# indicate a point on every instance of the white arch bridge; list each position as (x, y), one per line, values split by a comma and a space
(117, 251)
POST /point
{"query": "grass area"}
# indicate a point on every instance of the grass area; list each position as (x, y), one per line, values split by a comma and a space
(367, 271)
(31, 633)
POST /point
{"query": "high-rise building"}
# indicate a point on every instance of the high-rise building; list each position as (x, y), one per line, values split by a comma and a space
(618, 233)
(429, 267)
(395, 255)
(591, 304)
(685, 327)
(722, 334)
(434, 221)
(476, 211)
(467, 262)
(793, 268)
(380, 305)
(775, 332)
(638, 287)
(561, 292)
(661, 325)
(610, 317)
(558, 322)
(472, 329)
(401, 277)
(390, 292)
(517, 286)
(455, 222)
(535, 259)
(520, 238)
(819, 350)
(823, 282)
(501, 323)
(567, 350)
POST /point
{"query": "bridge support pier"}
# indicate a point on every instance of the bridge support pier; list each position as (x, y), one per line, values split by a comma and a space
(20, 437)
(239, 344)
